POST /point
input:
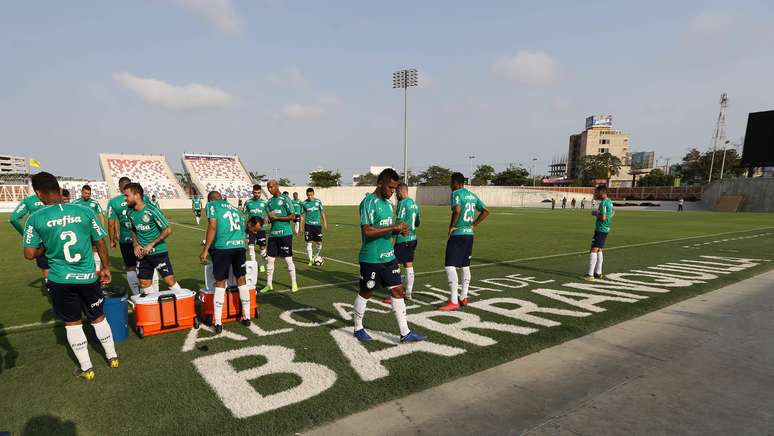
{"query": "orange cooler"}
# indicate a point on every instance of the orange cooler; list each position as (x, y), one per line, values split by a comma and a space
(166, 311)
(232, 309)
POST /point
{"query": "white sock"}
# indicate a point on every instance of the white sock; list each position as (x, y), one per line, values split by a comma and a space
(251, 251)
(465, 282)
(263, 252)
(269, 270)
(358, 311)
(134, 283)
(409, 280)
(78, 343)
(244, 298)
(148, 290)
(217, 302)
(296, 227)
(197, 220)
(592, 262)
(309, 251)
(291, 269)
(598, 269)
(105, 336)
(319, 249)
(451, 275)
(97, 262)
(399, 307)
(175, 287)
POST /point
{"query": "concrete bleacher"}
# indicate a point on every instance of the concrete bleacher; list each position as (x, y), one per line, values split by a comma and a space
(221, 173)
(99, 190)
(151, 171)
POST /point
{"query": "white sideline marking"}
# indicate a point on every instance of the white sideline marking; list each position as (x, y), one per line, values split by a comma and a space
(739, 238)
(23, 326)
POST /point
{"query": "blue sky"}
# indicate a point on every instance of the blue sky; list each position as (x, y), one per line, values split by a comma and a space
(298, 85)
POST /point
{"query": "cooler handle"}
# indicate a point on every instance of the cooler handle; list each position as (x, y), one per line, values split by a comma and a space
(173, 299)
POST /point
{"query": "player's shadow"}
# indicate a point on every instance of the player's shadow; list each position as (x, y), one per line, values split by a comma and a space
(525, 268)
(9, 353)
(40, 284)
(49, 425)
(285, 302)
(191, 284)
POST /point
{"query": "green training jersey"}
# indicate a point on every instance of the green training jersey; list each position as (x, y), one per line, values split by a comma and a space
(606, 209)
(281, 207)
(67, 231)
(408, 212)
(255, 208)
(230, 228)
(196, 203)
(376, 212)
(147, 224)
(29, 205)
(296, 206)
(91, 204)
(154, 203)
(468, 203)
(312, 210)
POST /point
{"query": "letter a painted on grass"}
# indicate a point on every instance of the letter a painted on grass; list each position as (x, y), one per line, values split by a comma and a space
(457, 330)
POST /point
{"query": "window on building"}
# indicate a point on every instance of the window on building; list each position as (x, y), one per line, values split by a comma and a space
(604, 141)
(604, 150)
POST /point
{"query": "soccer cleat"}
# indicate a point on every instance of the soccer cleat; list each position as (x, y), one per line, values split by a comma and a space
(310, 262)
(388, 300)
(262, 269)
(218, 329)
(246, 322)
(599, 276)
(463, 302)
(363, 335)
(266, 289)
(407, 296)
(588, 278)
(449, 307)
(412, 337)
(113, 362)
(294, 288)
(87, 375)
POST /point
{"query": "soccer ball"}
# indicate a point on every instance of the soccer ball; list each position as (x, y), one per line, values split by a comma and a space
(204, 241)
(317, 261)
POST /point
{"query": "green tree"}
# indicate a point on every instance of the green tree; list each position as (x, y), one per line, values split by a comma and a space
(513, 176)
(695, 166)
(325, 178)
(435, 175)
(483, 175)
(657, 177)
(283, 181)
(257, 177)
(413, 179)
(367, 179)
(598, 166)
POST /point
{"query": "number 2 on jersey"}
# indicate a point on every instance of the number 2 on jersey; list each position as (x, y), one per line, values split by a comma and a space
(71, 239)
(233, 220)
(470, 209)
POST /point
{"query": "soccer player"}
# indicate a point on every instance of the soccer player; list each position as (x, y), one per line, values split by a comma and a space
(459, 247)
(196, 206)
(680, 203)
(86, 201)
(297, 212)
(65, 196)
(65, 234)
(312, 212)
(150, 228)
(378, 267)
(602, 227)
(226, 239)
(279, 211)
(255, 208)
(29, 205)
(120, 230)
(155, 202)
(406, 245)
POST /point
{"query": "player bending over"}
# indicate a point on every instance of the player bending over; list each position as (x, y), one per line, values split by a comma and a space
(459, 247)
(225, 237)
(378, 267)
(601, 228)
(279, 211)
(196, 206)
(313, 221)
(65, 234)
(30, 205)
(150, 228)
(255, 208)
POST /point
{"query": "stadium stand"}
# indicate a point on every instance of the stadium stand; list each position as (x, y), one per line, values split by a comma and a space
(224, 174)
(151, 171)
(99, 190)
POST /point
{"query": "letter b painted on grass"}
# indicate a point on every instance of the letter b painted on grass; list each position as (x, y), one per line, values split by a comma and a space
(234, 389)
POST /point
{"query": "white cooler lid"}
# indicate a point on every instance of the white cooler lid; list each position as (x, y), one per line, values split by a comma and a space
(153, 298)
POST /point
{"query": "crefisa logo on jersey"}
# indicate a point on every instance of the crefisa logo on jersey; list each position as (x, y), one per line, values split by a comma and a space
(65, 220)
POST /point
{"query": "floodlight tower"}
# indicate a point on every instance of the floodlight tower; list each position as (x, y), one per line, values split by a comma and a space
(405, 79)
(719, 137)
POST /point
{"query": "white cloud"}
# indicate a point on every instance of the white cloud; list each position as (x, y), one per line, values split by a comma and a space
(219, 13)
(297, 111)
(193, 96)
(528, 68)
(710, 22)
(288, 78)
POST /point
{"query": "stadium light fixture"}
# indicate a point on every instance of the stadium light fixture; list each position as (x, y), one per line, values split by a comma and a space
(405, 79)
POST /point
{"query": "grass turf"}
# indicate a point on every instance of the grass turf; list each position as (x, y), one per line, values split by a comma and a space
(158, 389)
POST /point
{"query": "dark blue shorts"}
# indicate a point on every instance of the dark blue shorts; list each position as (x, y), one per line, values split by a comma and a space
(312, 233)
(281, 246)
(72, 301)
(197, 212)
(127, 252)
(225, 259)
(379, 275)
(258, 239)
(459, 249)
(599, 239)
(404, 251)
(148, 263)
(42, 261)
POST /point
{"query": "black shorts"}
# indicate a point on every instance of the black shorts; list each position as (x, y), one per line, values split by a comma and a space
(127, 252)
(198, 213)
(297, 219)
(404, 251)
(281, 246)
(223, 259)
(42, 261)
(599, 239)
(160, 262)
(257, 238)
(72, 301)
(459, 249)
(312, 233)
(379, 275)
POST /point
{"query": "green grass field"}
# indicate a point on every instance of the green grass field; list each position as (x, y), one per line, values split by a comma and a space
(170, 384)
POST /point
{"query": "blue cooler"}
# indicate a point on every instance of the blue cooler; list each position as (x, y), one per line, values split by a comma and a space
(116, 310)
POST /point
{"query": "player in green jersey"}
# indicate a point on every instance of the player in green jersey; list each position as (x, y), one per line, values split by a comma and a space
(255, 209)
(296, 202)
(459, 247)
(29, 205)
(313, 221)
(378, 267)
(604, 214)
(196, 206)
(150, 229)
(406, 245)
(86, 201)
(279, 212)
(155, 202)
(226, 242)
(65, 234)
(120, 230)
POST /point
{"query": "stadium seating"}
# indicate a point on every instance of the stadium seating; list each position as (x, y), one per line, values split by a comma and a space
(152, 172)
(99, 190)
(224, 174)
